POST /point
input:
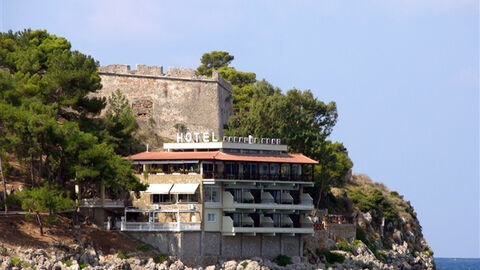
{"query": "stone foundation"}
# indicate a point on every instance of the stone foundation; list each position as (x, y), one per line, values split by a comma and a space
(193, 248)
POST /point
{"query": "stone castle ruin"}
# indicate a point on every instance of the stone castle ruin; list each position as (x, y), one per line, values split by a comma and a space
(165, 102)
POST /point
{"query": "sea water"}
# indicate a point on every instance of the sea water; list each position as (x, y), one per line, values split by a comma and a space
(457, 264)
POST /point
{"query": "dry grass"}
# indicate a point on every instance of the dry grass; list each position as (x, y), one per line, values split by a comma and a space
(19, 231)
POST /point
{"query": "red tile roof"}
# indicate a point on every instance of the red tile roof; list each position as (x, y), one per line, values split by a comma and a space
(278, 158)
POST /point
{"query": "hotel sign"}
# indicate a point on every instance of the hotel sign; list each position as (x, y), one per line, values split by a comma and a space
(198, 137)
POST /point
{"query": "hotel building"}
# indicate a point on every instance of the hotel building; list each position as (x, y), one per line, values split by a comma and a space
(236, 197)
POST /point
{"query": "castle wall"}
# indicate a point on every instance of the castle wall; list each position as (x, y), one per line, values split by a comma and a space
(159, 101)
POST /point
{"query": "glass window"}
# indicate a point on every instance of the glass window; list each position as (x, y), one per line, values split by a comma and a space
(188, 198)
(212, 194)
(162, 198)
(211, 217)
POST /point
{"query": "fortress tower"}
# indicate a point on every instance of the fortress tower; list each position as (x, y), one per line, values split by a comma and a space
(162, 100)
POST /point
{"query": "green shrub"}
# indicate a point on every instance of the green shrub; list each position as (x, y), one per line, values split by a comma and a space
(122, 256)
(395, 194)
(382, 256)
(356, 243)
(362, 236)
(244, 264)
(345, 246)
(428, 252)
(144, 247)
(68, 262)
(160, 258)
(83, 265)
(283, 260)
(16, 261)
(330, 257)
(4, 251)
(373, 199)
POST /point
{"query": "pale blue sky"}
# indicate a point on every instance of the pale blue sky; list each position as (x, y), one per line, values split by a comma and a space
(404, 74)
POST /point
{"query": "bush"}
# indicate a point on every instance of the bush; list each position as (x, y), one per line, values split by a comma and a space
(373, 199)
(83, 265)
(160, 258)
(16, 261)
(345, 246)
(283, 260)
(330, 257)
(395, 194)
(4, 251)
(382, 256)
(244, 264)
(144, 247)
(122, 256)
(68, 262)
(362, 236)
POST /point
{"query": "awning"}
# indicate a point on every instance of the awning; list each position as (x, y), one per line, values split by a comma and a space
(184, 189)
(159, 188)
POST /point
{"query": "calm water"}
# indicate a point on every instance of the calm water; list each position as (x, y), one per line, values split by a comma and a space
(457, 264)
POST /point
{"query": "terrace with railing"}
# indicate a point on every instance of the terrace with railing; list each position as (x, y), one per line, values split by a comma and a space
(106, 203)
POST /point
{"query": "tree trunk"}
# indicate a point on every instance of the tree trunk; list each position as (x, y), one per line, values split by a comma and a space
(32, 176)
(40, 165)
(4, 186)
(40, 224)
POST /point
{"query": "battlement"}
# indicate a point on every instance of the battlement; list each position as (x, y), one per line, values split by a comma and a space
(157, 71)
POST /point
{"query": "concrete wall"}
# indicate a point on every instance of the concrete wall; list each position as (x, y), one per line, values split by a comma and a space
(196, 247)
(212, 226)
(159, 101)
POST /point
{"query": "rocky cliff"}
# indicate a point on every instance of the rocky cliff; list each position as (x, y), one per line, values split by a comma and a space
(388, 233)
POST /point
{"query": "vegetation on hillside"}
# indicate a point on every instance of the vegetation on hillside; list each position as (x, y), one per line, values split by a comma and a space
(48, 116)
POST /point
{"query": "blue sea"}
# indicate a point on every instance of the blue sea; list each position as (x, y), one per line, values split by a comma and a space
(457, 264)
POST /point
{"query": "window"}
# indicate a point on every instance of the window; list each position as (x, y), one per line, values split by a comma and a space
(188, 198)
(212, 194)
(211, 217)
(162, 198)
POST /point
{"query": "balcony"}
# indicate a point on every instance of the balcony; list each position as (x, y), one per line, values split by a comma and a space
(228, 228)
(107, 203)
(257, 176)
(160, 227)
(267, 203)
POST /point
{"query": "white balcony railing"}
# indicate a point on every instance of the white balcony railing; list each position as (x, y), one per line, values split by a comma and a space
(228, 228)
(108, 203)
(160, 226)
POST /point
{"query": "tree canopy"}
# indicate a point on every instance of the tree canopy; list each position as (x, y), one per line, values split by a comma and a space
(48, 113)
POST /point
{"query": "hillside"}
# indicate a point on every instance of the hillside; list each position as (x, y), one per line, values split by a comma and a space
(388, 233)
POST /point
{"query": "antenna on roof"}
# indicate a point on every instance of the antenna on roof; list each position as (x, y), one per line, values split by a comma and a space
(147, 147)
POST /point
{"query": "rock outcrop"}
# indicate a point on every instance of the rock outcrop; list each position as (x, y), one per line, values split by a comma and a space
(63, 258)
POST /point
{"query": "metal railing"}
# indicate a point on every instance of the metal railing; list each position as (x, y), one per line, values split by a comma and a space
(98, 203)
(160, 226)
(256, 176)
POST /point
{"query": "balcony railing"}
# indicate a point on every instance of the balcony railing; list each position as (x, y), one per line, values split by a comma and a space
(107, 203)
(256, 176)
(267, 203)
(229, 228)
(160, 227)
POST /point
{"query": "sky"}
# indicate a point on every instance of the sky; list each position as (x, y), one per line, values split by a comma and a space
(404, 75)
